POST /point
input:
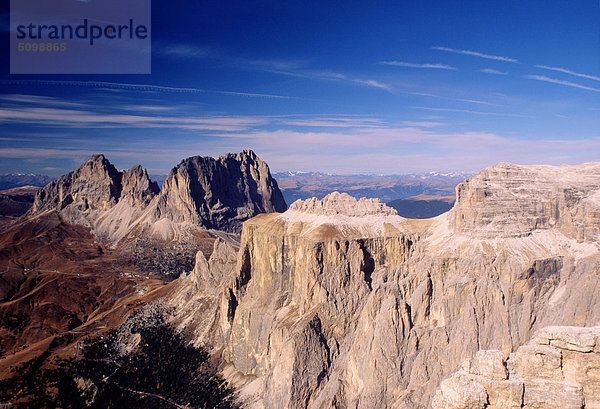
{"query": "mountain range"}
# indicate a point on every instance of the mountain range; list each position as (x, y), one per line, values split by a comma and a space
(11, 180)
(304, 185)
(419, 195)
(333, 302)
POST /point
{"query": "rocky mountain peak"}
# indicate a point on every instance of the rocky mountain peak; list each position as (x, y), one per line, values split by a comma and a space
(200, 192)
(96, 184)
(87, 195)
(219, 193)
(98, 167)
(337, 203)
(137, 187)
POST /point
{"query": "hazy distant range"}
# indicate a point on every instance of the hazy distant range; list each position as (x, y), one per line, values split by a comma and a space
(413, 195)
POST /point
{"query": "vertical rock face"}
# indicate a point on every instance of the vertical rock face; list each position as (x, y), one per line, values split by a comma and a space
(509, 200)
(137, 188)
(341, 303)
(205, 294)
(559, 367)
(219, 193)
(95, 185)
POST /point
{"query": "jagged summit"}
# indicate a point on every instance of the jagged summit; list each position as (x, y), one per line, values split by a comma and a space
(343, 204)
(137, 186)
(95, 185)
(341, 215)
(219, 193)
(200, 192)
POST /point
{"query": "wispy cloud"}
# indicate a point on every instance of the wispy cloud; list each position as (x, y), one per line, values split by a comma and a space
(40, 100)
(476, 54)
(357, 123)
(299, 69)
(182, 50)
(567, 71)
(423, 124)
(273, 65)
(560, 82)
(347, 140)
(13, 139)
(493, 71)
(415, 65)
(42, 153)
(148, 108)
(89, 119)
(427, 94)
(470, 151)
(373, 83)
(468, 111)
(336, 122)
(335, 76)
(139, 87)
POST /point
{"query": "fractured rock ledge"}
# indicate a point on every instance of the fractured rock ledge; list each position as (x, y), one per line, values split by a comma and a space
(510, 200)
(558, 368)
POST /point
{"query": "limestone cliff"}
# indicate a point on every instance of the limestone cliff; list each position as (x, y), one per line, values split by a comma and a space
(218, 193)
(509, 200)
(559, 367)
(342, 303)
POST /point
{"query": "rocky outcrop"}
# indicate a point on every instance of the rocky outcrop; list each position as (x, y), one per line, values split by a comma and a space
(342, 204)
(559, 367)
(137, 188)
(509, 200)
(95, 185)
(218, 193)
(204, 297)
(200, 193)
(341, 303)
(98, 196)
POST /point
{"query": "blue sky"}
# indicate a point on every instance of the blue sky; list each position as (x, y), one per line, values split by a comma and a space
(352, 87)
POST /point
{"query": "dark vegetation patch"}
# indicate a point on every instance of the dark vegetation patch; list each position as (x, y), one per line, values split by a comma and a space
(140, 366)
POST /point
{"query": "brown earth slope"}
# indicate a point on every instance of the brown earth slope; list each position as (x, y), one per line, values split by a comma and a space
(57, 281)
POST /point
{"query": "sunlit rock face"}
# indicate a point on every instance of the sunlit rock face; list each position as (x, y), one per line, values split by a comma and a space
(342, 303)
(341, 204)
(95, 185)
(512, 201)
(98, 196)
(219, 193)
(559, 367)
